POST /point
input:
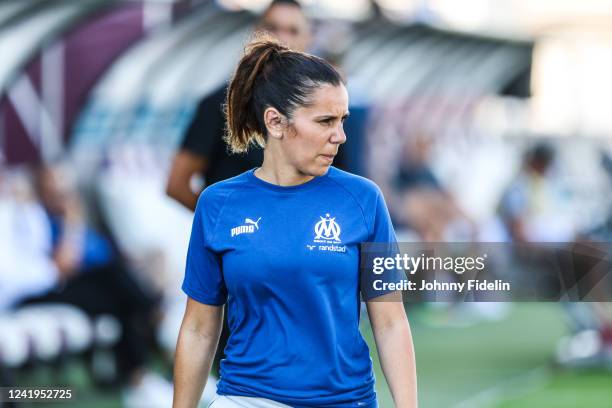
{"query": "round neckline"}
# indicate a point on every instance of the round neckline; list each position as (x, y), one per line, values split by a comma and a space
(285, 189)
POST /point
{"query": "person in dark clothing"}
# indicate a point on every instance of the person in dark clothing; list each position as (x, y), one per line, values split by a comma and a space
(204, 138)
(427, 206)
(204, 152)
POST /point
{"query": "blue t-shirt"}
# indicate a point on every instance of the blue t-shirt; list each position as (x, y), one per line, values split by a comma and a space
(286, 260)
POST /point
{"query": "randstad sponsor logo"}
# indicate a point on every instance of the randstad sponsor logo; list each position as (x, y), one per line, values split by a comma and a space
(249, 227)
(332, 248)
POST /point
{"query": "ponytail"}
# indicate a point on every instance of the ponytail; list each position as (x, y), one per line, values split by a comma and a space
(270, 75)
(242, 124)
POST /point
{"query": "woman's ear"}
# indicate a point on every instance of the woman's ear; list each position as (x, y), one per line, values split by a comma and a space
(274, 122)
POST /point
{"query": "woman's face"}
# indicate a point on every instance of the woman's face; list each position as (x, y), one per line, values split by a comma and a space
(315, 132)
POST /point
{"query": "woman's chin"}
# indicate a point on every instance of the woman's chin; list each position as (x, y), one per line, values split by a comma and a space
(316, 170)
(322, 170)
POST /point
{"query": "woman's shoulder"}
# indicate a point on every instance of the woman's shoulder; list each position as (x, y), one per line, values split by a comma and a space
(353, 183)
(217, 193)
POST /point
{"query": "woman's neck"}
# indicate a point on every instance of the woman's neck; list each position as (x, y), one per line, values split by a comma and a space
(276, 170)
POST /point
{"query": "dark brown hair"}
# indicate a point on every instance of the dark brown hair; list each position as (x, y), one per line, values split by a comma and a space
(270, 75)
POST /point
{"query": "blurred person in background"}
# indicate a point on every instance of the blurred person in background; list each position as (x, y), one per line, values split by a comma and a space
(295, 338)
(427, 206)
(91, 276)
(430, 212)
(204, 153)
(25, 266)
(532, 206)
(25, 269)
(589, 344)
(533, 210)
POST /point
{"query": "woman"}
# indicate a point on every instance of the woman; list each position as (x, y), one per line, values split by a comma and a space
(280, 244)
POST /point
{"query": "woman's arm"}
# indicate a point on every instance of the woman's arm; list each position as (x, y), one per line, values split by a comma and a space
(185, 165)
(195, 350)
(395, 349)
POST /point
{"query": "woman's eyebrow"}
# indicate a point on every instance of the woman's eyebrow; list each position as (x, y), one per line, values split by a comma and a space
(324, 117)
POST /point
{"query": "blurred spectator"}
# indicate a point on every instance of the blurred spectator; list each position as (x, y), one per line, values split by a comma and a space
(532, 205)
(533, 210)
(589, 343)
(426, 206)
(603, 232)
(90, 275)
(25, 266)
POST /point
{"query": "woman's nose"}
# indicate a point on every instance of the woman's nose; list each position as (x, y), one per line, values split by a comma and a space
(339, 136)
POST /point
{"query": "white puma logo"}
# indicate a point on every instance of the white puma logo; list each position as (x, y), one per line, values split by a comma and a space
(251, 222)
(249, 227)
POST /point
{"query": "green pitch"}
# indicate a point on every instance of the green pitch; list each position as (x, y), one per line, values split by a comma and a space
(502, 364)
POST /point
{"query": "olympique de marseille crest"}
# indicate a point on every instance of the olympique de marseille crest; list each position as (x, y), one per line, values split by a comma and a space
(327, 229)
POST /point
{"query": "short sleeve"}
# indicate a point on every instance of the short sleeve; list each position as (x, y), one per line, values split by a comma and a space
(205, 132)
(382, 243)
(382, 227)
(203, 273)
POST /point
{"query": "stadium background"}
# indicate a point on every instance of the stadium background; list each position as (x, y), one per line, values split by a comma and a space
(461, 88)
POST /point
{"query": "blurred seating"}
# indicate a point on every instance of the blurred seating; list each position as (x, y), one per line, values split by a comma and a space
(66, 292)
(48, 332)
